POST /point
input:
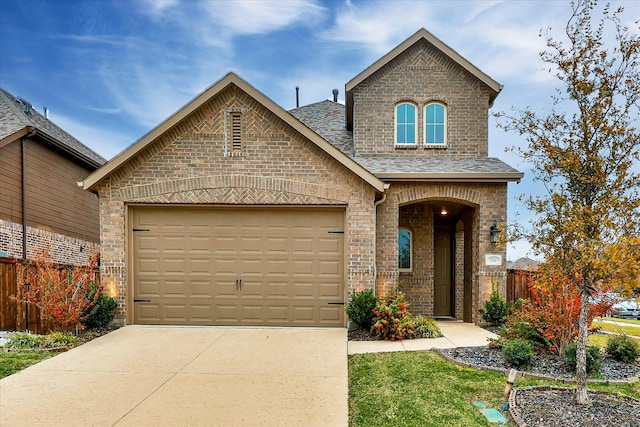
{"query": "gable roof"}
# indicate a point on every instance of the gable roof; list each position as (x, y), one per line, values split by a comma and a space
(230, 79)
(18, 119)
(421, 34)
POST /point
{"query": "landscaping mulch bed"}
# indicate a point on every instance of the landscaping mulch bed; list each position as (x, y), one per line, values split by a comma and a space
(556, 407)
(544, 363)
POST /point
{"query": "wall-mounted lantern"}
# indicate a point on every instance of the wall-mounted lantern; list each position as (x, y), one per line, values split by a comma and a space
(494, 236)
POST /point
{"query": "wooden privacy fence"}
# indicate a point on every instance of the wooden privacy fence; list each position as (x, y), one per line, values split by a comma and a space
(13, 316)
(518, 284)
(13, 312)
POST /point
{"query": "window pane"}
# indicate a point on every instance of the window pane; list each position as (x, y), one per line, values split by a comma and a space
(439, 137)
(430, 114)
(411, 134)
(404, 249)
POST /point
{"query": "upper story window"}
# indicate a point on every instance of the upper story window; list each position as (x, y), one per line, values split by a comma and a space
(435, 123)
(406, 123)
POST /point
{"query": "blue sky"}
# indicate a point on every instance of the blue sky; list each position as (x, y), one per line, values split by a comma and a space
(109, 71)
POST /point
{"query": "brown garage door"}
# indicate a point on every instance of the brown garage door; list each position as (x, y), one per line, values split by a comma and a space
(248, 266)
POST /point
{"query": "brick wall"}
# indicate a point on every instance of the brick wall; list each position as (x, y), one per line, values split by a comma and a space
(63, 249)
(278, 167)
(421, 74)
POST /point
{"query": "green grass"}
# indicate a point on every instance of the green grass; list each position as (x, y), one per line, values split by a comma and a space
(422, 389)
(618, 329)
(13, 362)
(615, 319)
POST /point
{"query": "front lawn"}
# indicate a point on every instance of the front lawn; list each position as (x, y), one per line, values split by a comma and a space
(422, 389)
(620, 328)
(13, 362)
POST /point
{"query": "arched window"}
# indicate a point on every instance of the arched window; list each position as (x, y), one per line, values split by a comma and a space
(406, 123)
(404, 249)
(435, 123)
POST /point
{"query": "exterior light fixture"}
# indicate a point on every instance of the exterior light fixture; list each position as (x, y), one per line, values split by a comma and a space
(443, 212)
(494, 233)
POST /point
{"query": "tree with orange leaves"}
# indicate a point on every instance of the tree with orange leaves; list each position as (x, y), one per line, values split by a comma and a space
(587, 225)
(61, 293)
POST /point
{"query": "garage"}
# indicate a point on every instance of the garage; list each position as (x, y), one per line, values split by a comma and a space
(253, 266)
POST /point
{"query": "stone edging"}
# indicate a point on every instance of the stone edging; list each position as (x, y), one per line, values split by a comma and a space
(629, 380)
(513, 409)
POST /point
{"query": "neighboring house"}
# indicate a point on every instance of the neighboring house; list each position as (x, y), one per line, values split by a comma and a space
(234, 211)
(41, 204)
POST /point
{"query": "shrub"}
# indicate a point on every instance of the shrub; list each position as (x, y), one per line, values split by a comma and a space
(426, 327)
(21, 340)
(550, 317)
(59, 339)
(392, 320)
(101, 314)
(594, 357)
(622, 348)
(524, 327)
(61, 293)
(360, 308)
(495, 309)
(517, 352)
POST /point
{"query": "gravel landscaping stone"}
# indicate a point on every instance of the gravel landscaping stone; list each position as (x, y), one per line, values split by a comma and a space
(556, 407)
(544, 363)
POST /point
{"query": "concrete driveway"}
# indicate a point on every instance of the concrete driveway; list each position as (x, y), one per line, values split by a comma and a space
(174, 376)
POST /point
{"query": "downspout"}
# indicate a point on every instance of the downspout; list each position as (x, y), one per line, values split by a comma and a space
(23, 145)
(375, 234)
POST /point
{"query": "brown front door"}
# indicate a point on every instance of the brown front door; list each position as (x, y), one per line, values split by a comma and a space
(443, 270)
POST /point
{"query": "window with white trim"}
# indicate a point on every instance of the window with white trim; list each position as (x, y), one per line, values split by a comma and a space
(435, 124)
(405, 249)
(406, 124)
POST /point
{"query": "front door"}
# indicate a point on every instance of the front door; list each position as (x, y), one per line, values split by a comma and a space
(443, 270)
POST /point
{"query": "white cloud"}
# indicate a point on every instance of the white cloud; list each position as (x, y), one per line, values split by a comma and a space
(369, 25)
(258, 17)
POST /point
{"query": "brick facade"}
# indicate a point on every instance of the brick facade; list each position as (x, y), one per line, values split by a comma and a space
(420, 75)
(278, 167)
(63, 249)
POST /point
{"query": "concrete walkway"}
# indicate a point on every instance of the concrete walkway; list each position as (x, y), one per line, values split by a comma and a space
(456, 334)
(175, 376)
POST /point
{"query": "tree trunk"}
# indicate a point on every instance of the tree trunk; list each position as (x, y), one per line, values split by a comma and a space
(581, 351)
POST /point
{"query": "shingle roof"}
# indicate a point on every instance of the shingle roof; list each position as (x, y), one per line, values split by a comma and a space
(452, 168)
(17, 114)
(327, 119)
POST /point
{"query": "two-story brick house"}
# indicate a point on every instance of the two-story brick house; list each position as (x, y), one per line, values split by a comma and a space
(236, 212)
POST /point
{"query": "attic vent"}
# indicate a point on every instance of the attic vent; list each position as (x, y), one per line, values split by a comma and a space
(236, 133)
(234, 138)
